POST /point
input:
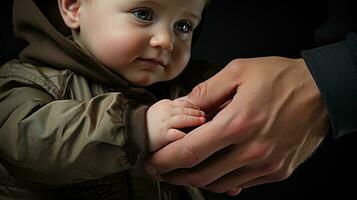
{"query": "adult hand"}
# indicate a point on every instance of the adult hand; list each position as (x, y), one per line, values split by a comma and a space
(273, 121)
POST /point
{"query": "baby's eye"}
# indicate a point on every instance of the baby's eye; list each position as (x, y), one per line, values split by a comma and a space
(183, 26)
(143, 14)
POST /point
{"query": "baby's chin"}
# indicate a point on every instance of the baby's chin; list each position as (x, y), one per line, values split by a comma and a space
(146, 82)
(143, 82)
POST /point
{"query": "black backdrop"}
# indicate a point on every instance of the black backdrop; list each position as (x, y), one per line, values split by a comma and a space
(258, 28)
(251, 28)
(238, 29)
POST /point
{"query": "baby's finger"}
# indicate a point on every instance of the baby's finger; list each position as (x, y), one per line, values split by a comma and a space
(183, 121)
(189, 111)
(181, 102)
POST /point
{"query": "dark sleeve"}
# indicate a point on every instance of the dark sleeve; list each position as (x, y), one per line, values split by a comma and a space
(334, 68)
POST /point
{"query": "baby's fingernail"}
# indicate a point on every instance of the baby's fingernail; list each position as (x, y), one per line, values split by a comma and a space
(150, 169)
(203, 119)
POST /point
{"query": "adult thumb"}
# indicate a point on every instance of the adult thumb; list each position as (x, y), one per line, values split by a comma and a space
(215, 91)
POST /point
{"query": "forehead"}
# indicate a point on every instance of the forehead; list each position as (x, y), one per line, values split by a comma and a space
(192, 6)
(173, 2)
(175, 7)
(167, 2)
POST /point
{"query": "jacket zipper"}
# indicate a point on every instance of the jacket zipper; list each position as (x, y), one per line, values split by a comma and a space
(159, 188)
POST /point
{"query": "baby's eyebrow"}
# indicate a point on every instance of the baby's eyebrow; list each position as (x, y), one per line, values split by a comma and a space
(193, 16)
(152, 2)
(144, 1)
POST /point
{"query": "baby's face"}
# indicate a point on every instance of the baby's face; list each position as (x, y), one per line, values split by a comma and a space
(146, 41)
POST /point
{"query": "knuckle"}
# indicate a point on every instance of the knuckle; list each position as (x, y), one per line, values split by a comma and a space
(180, 102)
(183, 117)
(236, 62)
(188, 158)
(245, 125)
(180, 118)
(188, 112)
(272, 167)
(238, 129)
(199, 90)
(258, 151)
(186, 103)
(235, 65)
(281, 175)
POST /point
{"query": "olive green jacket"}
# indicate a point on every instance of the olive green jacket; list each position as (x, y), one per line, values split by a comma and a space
(68, 125)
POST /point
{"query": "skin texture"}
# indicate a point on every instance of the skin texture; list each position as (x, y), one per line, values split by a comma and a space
(145, 42)
(269, 119)
(126, 36)
(166, 118)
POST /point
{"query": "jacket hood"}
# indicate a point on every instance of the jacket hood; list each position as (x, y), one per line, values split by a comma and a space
(39, 23)
(35, 22)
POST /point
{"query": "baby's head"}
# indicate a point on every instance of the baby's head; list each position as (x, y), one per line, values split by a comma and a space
(146, 41)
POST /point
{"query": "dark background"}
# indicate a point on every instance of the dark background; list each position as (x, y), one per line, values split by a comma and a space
(8, 45)
(251, 28)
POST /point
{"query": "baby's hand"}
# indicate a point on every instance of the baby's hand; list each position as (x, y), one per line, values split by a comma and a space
(165, 117)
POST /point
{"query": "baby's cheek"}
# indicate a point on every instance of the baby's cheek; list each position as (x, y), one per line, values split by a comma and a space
(117, 52)
(180, 62)
(110, 54)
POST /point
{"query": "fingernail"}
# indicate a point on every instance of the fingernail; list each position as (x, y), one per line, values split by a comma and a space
(235, 191)
(150, 169)
(203, 119)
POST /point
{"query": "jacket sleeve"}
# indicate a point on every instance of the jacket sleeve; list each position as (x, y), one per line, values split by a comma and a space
(57, 142)
(334, 69)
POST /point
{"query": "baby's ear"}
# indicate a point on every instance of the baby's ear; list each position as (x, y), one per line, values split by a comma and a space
(70, 12)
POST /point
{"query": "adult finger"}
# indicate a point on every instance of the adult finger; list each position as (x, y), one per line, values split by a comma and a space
(189, 151)
(284, 172)
(213, 168)
(252, 174)
(217, 171)
(239, 177)
(234, 191)
(202, 142)
(218, 89)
